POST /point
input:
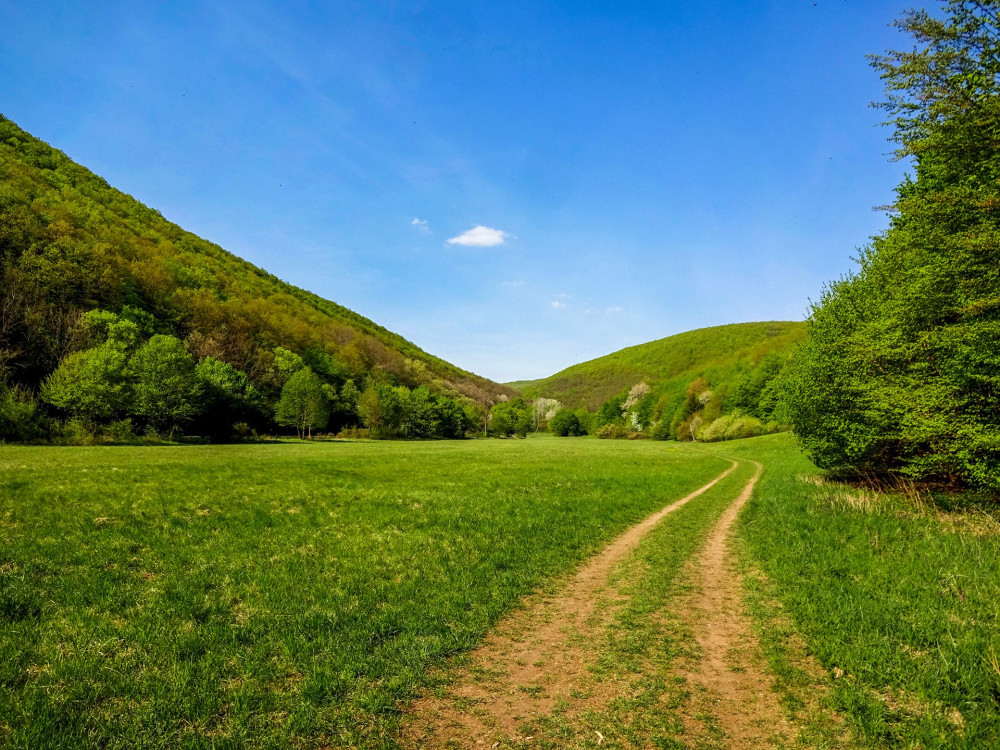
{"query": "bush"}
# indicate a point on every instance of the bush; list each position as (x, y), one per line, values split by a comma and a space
(354, 433)
(612, 431)
(121, 431)
(716, 429)
(661, 431)
(565, 423)
(744, 427)
(20, 418)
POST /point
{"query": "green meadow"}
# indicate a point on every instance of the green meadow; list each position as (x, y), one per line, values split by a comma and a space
(298, 594)
(285, 594)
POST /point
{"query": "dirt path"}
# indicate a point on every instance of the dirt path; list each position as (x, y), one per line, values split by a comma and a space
(537, 658)
(730, 679)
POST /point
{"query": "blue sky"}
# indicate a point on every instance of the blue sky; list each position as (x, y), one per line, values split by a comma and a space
(631, 170)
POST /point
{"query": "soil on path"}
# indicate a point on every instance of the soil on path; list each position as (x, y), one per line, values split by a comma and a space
(535, 660)
(730, 680)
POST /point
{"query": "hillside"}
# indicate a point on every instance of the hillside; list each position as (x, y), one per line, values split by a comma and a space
(71, 243)
(709, 352)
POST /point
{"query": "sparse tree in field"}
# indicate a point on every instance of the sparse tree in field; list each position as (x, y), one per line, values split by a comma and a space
(167, 389)
(303, 404)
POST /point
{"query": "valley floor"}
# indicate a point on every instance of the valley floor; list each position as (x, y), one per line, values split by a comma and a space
(545, 593)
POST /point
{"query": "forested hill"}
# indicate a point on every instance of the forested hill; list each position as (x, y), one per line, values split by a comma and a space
(713, 352)
(70, 243)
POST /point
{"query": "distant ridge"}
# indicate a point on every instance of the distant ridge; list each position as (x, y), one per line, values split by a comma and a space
(702, 352)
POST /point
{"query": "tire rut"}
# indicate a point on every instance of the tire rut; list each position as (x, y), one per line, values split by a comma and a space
(536, 659)
(730, 676)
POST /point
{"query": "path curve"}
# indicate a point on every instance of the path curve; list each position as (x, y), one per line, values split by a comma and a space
(535, 659)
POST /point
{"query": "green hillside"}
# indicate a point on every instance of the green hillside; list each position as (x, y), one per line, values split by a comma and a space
(70, 243)
(706, 352)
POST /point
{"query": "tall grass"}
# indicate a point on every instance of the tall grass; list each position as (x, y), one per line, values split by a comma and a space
(897, 594)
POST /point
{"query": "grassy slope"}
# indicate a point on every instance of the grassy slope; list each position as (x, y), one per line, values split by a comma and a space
(706, 351)
(282, 594)
(188, 282)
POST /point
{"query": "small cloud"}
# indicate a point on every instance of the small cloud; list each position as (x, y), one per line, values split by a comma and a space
(514, 284)
(563, 295)
(557, 305)
(613, 310)
(421, 224)
(480, 236)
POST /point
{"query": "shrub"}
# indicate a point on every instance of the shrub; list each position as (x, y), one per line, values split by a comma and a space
(744, 426)
(612, 431)
(565, 423)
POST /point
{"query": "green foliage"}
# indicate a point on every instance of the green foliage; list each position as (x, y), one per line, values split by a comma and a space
(901, 369)
(228, 397)
(286, 364)
(304, 404)
(513, 417)
(380, 409)
(167, 390)
(565, 423)
(93, 384)
(20, 417)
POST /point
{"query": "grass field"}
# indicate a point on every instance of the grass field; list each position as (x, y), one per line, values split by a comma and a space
(298, 594)
(285, 594)
(897, 596)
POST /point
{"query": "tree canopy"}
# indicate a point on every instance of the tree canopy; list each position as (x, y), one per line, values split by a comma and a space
(900, 372)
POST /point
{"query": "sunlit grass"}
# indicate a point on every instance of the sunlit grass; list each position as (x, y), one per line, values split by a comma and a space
(286, 594)
(897, 597)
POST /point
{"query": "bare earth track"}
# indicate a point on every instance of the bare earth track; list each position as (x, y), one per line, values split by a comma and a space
(537, 658)
(730, 679)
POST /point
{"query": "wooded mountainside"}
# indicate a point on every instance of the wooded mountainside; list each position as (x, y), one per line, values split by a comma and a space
(70, 244)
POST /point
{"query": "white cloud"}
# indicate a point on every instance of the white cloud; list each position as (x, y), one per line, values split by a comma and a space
(557, 305)
(613, 310)
(480, 236)
(514, 284)
(421, 224)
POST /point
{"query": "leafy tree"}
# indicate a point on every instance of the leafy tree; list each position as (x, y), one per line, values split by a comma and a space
(303, 404)
(511, 417)
(611, 410)
(286, 364)
(229, 397)
(93, 385)
(565, 423)
(381, 409)
(423, 419)
(453, 419)
(167, 389)
(901, 368)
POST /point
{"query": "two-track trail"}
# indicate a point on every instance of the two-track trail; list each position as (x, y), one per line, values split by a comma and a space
(537, 658)
(732, 684)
